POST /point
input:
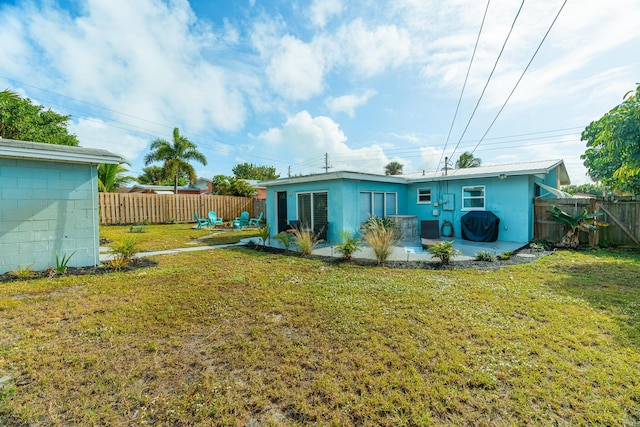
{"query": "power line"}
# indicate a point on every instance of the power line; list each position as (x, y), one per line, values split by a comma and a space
(464, 85)
(495, 65)
(522, 75)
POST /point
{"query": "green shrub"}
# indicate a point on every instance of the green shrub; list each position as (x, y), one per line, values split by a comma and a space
(485, 256)
(284, 238)
(124, 251)
(263, 232)
(505, 255)
(61, 263)
(444, 251)
(137, 229)
(305, 240)
(350, 244)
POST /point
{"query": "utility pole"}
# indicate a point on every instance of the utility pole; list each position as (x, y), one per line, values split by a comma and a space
(446, 165)
(289, 172)
(326, 163)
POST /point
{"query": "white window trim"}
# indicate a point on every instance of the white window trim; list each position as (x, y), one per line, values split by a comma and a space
(418, 196)
(484, 198)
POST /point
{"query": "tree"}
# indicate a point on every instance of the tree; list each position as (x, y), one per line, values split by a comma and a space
(593, 189)
(466, 160)
(251, 171)
(154, 175)
(393, 168)
(111, 177)
(20, 119)
(231, 186)
(613, 146)
(176, 156)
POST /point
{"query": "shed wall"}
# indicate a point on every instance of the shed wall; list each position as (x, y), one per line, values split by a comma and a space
(47, 207)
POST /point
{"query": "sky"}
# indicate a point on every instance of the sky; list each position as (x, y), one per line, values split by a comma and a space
(327, 85)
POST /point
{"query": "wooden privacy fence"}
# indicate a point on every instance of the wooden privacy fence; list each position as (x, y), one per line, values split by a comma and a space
(621, 213)
(132, 208)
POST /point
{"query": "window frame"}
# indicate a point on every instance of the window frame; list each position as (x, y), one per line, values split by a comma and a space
(420, 202)
(311, 203)
(468, 188)
(372, 204)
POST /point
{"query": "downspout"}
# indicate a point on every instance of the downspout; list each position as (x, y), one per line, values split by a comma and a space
(94, 199)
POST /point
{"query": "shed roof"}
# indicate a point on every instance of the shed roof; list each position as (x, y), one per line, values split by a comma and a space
(54, 152)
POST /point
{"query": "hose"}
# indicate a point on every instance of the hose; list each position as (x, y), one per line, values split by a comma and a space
(446, 223)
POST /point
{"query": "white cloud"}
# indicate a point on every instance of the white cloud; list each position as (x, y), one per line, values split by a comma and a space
(373, 50)
(323, 10)
(303, 137)
(348, 103)
(296, 69)
(141, 58)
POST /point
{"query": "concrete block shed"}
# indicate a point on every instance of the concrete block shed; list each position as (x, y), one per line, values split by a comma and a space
(49, 204)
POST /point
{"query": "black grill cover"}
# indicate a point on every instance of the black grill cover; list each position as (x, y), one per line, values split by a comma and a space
(480, 226)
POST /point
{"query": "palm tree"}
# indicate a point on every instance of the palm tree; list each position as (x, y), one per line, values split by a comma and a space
(176, 156)
(110, 177)
(393, 168)
(8, 95)
(466, 160)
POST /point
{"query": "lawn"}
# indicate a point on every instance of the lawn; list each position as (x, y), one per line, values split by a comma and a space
(171, 236)
(239, 337)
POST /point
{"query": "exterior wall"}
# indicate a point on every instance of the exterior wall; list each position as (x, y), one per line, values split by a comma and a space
(46, 207)
(343, 202)
(510, 199)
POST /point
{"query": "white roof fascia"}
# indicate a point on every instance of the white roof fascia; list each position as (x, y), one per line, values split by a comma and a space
(55, 153)
(355, 176)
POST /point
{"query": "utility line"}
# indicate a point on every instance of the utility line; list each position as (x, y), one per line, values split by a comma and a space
(464, 85)
(495, 65)
(521, 76)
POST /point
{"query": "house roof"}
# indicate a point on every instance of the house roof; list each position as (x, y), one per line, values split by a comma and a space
(54, 152)
(335, 175)
(491, 171)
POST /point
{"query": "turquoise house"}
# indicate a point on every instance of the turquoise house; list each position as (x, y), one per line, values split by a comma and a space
(49, 204)
(341, 200)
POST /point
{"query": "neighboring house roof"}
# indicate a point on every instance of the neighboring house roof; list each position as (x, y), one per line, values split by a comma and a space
(159, 189)
(529, 168)
(54, 152)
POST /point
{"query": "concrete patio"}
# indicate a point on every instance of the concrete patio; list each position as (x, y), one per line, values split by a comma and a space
(411, 250)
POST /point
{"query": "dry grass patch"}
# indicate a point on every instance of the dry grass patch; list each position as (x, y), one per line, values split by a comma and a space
(236, 337)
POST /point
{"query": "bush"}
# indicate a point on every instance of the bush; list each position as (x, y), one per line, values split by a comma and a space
(485, 256)
(381, 235)
(61, 263)
(444, 250)
(305, 240)
(505, 255)
(137, 229)
(263, 232)
(284, 238)
(350, 244)
(123, 252)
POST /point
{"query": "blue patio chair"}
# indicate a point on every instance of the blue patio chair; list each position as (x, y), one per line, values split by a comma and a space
(201, 221)
(214, 220)
(255, 221)
(241, 221)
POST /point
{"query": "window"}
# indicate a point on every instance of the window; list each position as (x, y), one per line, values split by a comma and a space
(312, 209)
(377, 203)
(473, 197)
(424, 195)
